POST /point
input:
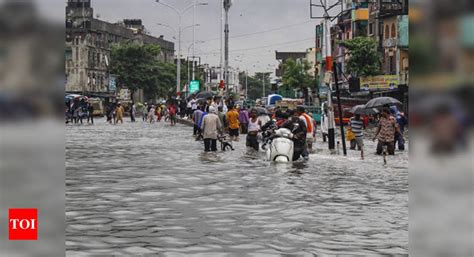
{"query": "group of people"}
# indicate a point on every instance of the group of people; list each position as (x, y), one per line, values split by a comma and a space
(215, 117)
(211, 122)
(79, 109)
(390, 129)
(155, 113)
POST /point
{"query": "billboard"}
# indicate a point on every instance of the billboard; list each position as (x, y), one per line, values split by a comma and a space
(112, 82)
(194, 86)
(382, 82)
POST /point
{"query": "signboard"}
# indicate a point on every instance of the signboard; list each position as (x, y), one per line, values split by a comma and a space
(112, 82)
(124, 94)
(403, 33)
(194, 86)
(382, 82)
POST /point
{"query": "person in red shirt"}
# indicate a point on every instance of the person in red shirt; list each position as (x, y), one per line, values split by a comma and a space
(172, 112)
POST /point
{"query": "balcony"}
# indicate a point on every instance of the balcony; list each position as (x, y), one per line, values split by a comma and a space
(392, 9)
(386, 8)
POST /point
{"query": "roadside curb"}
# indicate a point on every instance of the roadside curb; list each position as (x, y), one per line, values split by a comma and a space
(185, 122)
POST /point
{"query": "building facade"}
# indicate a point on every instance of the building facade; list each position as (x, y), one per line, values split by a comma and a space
(388, 25)
(88, 46)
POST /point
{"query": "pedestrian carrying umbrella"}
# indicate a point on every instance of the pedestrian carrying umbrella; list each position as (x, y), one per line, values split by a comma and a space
(381, 101)
(361, 110)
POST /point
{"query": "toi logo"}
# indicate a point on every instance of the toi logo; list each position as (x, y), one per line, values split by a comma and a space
(22, 224)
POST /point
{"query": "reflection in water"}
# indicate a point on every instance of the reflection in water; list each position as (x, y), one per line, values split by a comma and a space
(143, 189)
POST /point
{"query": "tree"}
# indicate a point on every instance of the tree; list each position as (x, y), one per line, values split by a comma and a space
(364, 60)
(296, 76)
(255, 84)
(137, 66)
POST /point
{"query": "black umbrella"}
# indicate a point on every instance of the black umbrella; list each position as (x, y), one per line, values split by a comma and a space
(381, 101)
(205, 95)
(361, 110)
(260, 110)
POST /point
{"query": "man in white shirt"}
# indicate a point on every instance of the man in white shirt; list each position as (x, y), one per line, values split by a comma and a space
(194, 105)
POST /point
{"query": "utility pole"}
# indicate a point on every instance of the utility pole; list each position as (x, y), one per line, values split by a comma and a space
(263, 84)
(338, 95)
(327, 55)
(178, 60)
(329, 63)
(194, 33)
(221, 70)
(227, 4)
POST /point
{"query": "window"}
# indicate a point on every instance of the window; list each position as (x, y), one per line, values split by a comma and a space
(77, 53)
(371, 29)
(68, 54)
(387, 31)
(392, 65)
(394, 32)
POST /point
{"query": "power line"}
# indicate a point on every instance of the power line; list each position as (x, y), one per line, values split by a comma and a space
(260, 32)
(260, 47)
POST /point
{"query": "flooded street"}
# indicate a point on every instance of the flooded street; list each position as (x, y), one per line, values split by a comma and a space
(149, 188)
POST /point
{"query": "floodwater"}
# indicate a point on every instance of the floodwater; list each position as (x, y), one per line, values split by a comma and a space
(147, 189)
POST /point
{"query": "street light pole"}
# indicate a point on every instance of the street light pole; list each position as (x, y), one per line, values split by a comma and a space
(178, 59)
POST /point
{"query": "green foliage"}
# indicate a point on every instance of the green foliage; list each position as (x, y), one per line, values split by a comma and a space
(364, 60)
(138, 67)
(296, 75)
(255, 84)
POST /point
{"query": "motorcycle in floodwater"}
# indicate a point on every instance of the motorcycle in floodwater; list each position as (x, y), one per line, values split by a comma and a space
(278, 144)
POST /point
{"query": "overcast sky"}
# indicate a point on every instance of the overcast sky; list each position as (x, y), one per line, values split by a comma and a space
(289, 22)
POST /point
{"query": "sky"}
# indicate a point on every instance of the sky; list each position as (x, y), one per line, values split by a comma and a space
(287, 25)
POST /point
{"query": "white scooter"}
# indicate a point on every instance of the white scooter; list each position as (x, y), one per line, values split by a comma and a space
(281, 146)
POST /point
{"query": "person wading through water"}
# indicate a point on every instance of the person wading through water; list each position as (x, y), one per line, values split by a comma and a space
(211, 126)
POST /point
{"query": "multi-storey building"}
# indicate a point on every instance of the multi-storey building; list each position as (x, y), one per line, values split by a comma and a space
(388, 25)
(88, 47)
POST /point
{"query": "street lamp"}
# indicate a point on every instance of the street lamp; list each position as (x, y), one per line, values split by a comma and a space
(193, 57)
(180, 14)
(194, 31)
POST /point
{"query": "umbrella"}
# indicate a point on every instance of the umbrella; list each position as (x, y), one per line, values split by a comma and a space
(75, 96)
(381, 101)
(260, 110)
(205, 95)
(201, 95)
(361, 110)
